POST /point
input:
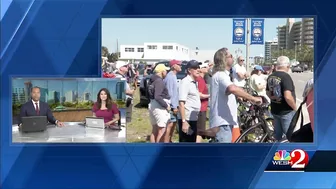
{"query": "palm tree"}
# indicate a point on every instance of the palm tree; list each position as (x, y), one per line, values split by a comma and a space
(113, 57)
(290, 53)
(306, 55)
(105, 51)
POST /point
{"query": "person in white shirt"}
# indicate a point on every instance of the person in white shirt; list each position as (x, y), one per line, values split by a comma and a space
(258, 82)
(240, 73)
(121, 72)
(223, 104)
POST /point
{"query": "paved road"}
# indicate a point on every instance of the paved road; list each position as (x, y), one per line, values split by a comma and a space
(300, 80)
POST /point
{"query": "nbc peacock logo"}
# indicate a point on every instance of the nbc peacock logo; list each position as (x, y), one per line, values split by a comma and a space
(281, 157)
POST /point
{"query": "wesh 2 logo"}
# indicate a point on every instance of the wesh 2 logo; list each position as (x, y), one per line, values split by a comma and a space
(295, 160)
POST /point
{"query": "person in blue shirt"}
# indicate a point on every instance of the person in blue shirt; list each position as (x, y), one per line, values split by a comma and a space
(172, 86)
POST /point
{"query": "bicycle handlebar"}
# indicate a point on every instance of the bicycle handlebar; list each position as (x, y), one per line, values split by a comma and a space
(264, 102)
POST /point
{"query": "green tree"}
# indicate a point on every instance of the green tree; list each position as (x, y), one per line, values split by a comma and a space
(113, 57)
(275, 54)
(54, 105)
(69, 104)
(306, 56)
(16, 108)
(105, 51)
(290, 53)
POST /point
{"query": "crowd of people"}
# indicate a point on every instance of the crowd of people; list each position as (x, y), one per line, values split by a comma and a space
(217, 85)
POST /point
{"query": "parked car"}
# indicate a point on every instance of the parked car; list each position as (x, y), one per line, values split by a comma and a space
(144, 82)
(304, 67)
(297, 69)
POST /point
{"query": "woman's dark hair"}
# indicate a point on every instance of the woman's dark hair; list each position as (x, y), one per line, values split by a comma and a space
(109, 100)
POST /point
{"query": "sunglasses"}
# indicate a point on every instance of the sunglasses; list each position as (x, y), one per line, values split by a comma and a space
(242, 60)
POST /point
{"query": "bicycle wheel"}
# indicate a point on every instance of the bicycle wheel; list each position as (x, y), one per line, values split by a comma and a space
(254, 134)
(268, 128)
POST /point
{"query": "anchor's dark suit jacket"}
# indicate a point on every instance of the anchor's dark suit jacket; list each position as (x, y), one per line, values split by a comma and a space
(28, 109)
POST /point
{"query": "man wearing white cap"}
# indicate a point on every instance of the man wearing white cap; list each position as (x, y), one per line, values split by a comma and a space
(121, 71)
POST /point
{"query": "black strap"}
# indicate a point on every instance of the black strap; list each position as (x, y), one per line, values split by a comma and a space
(294, 121)
(231, 74)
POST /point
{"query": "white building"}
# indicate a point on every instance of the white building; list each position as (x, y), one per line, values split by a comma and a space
(203, 55)
(269, 47)
(154, 52)
(70, 96)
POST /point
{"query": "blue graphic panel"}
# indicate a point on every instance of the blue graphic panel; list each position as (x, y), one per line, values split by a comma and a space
(238, 31)
(257, 31)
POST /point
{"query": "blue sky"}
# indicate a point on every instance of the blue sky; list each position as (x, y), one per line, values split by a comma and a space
(204, 33)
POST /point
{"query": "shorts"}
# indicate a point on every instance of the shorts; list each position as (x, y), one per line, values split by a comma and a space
(201, 122)
(158, 115)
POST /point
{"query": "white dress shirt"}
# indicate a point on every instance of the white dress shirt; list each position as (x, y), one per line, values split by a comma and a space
(39, 107)
(38, 103)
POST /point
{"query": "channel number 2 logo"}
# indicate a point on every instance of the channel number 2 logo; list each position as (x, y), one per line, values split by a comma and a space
(298, 159)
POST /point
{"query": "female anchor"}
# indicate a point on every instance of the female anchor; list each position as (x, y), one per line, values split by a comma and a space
(105, 108)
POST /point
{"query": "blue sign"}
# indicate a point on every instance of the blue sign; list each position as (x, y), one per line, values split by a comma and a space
(238, 36)
(257, 31)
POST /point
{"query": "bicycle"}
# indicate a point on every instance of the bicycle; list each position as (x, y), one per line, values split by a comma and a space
(254, 115)
(254, 124)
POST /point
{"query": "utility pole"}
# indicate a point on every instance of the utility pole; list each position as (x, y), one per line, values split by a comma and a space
(117, 49)
(247, 44)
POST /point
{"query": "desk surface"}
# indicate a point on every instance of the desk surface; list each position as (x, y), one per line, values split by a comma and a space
(71, 132)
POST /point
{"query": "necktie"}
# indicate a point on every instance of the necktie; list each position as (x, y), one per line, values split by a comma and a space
(37, 109)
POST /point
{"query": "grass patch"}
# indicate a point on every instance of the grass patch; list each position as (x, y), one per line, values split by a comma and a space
(139, 129)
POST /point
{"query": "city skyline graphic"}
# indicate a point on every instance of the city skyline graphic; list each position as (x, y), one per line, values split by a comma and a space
(66, 90)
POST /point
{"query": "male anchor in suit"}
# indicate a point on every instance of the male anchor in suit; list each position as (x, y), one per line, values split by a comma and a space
(36, 108)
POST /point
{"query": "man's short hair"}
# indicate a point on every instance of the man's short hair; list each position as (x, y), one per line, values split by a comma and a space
(35, 87)
(283, 61)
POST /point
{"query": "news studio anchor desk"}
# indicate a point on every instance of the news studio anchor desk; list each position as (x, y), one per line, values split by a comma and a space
(71, 132)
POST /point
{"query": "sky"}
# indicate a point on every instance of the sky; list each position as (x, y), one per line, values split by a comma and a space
(204, 33)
